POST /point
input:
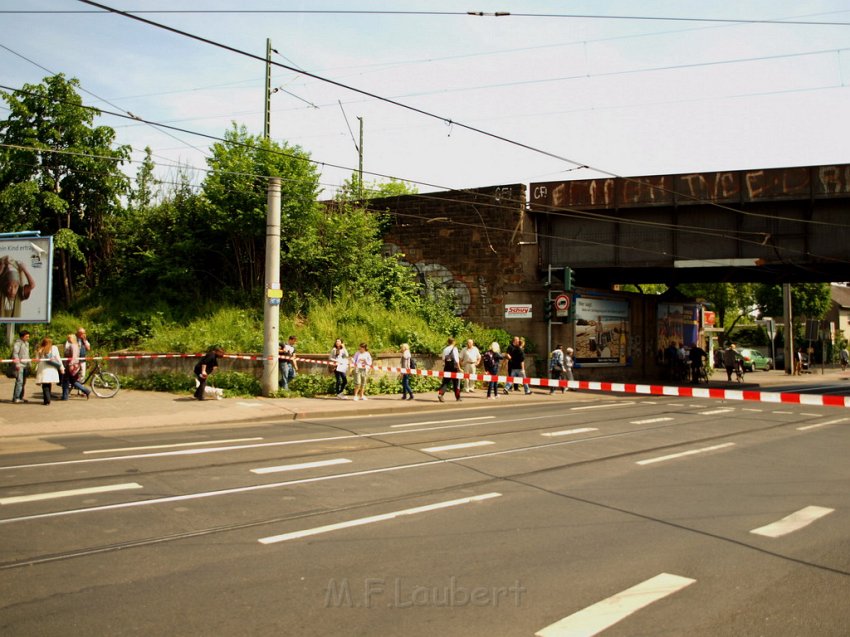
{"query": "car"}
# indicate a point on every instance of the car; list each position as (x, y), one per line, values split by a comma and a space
(754, 359)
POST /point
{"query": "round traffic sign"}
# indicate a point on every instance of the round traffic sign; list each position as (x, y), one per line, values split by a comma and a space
(562, 302)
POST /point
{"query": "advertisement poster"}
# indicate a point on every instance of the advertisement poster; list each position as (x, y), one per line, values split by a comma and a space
(25, 279)
(602, 331)
(678, 324)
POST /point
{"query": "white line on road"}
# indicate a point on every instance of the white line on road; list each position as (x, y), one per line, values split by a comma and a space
(649, 421)
(623, 404)
(822, 424)
(441, 422)
(302, 465)
(176, 444)
(596, 618)
(758, 411)
(714, 412)
(69, 493)
(375, 518)
(784, 413)
(794, 522)
(462, 445)
(568, 432)
(685, 453)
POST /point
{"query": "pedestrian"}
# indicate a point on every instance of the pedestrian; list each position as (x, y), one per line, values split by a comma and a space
(470, 357)
(844, 357)
(798, 362)
(407, 363)
(556, 367)
(204, 367)
(730, 358)
(21, 356)
(85, 349)
(451, 363)
(71, 378)
(362, 368)
(339, 357)
(491, 360)
(288, 364)
(49, 368)
(569, 363)
(516, 365)
(697, 355)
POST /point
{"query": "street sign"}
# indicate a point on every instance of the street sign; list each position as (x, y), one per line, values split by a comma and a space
(562, 305)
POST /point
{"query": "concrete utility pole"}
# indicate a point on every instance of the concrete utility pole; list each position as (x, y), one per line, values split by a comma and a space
(360, 156)
(271, 309)
(267, 106)
(789, 332)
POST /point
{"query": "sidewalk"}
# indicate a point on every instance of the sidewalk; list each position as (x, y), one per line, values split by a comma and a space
(135, 410)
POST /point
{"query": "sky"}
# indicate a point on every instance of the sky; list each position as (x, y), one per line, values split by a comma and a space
(556, 90)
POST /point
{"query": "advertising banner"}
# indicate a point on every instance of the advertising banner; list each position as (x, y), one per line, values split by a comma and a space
(602, 331)
(25, 279)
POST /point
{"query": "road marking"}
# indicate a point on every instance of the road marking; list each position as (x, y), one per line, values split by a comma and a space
(685, 453)
(462, 445)
(794, 522)
(375, 518)
(69, 493)
(649, 421)
(567, 432)
(441, 422)
(714, 412)
(784, 413)
(601, 615)
(176, 444)
(752, 409)
(803, 413)
(303, 465)
(602, 406)
(821, 424)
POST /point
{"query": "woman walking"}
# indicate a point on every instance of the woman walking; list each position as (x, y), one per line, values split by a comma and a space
(492, 359)
(406, 359)
(72, 369)
(49, 367)
(339, 356)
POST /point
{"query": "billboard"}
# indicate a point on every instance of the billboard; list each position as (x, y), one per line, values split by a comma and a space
(26, 264)
(601, 331)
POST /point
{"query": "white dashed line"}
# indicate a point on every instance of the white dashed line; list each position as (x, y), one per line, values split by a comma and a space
(685, 453)
(794, 522)
(821, 424)
(302, 465)
(602, 615)
(177, 444)
(375, 518)
(649, 421)
(462, 445)
(69, 493)
(569, 432)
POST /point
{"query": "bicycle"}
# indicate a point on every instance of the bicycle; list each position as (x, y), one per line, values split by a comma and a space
(103, 384)
(739, 371)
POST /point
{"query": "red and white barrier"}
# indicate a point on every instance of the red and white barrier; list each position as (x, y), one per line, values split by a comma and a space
(627, 388)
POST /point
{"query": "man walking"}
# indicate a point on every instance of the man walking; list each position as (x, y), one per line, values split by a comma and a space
(451, 363)
(21, 356)
(288, 364)
(516, 365)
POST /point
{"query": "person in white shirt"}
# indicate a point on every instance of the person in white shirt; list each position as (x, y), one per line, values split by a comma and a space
(339, 358)
(362, 366)
(470, 357)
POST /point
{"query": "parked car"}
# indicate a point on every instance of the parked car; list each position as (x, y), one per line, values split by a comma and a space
(754, 359)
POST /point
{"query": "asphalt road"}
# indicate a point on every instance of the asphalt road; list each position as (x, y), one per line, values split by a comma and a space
(636, 516)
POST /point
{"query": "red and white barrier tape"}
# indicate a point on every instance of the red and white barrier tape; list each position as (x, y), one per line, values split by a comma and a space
(628, 388)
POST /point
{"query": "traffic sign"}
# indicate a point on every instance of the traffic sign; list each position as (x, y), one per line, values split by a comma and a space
(562, 305)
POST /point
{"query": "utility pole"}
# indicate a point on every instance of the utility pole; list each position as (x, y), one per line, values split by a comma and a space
(274, 293)
(271, 309)
(360, 156)
(789, 331)
(267, 110)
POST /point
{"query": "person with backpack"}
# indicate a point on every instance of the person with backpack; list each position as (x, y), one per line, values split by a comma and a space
(491, 360)
(451, 363)
(556, 367)
(407, 363)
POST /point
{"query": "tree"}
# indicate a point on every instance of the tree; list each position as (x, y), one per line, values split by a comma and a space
(811, 300)
(61, 175)
(732, 301)
(237, 192)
